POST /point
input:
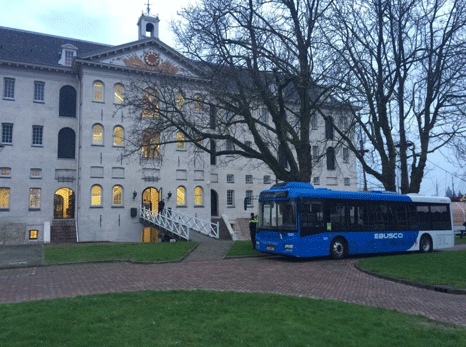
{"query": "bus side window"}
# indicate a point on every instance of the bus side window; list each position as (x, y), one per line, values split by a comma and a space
(312, 217)
(424, 217)
(399, 210)
(358, 216)
(441, 217)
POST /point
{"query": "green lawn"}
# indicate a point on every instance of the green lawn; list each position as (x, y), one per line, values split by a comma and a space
(460, 241)
(242, 248)
(444, 268)
(150, 252)
(205, 318)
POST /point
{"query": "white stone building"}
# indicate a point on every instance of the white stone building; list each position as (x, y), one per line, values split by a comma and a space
(61, 170)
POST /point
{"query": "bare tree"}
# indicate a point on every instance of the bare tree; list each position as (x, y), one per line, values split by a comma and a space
(403, 63)
(261, 75)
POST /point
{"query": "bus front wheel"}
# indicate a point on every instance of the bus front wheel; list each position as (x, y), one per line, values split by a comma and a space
(338, 248)
(425, 245)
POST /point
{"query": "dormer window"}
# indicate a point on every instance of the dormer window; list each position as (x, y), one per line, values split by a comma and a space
(69, 57)
(68, 52)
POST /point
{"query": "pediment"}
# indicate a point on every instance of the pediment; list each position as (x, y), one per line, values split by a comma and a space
(150, 55)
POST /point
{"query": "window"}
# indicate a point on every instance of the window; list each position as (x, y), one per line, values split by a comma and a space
(36, 173)
(180, 196)
(180, 101)
(212, 117)
(5, 172)
(316, 181)
(34, 198)
(230, 198)
(97, 134)
(314, 122)
(264, 115)
(197, 103)
(117, 195)
(267, 179)
(39, 89)
(150, 144)
(213, 158)
(330, 158)
(345, 154)
(9, 88)
(118, 136)
(67, 104)
(343, 123)
(230, 178)
(66, 143)
(96, 195)
(69, 57)
(98, 91)
(4, 198)
(118, 91)
(248, 144)
(249, 178)
(347, 181)
(329, 128)
(249, 197)
(7, 133)
(198, 196)
(37, 131)
(229, 146)
(150, 103)
(315, 153)
(33, 234)
(180, 140)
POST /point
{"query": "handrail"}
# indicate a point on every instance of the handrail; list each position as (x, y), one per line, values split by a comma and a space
(180, 223)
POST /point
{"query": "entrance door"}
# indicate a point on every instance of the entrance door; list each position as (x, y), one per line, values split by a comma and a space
(150, 199)
(63, 204)
(213, 203)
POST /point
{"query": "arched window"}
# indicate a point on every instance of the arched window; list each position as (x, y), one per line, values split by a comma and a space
(181, 196)
(150, 103)
(66, 143)
(117, 195)
(118, 93)
(97, 134)
(180, 101)
(98, 91)
(118, 133)
(180, 140)
(330, 158)
(96, 195)
(150, 144)
(67, 102)
(198, 196)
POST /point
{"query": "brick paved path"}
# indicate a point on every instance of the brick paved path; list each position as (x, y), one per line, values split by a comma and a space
(322, 279)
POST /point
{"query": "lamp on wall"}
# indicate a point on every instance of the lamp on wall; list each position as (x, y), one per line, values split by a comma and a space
(169, 195)
(135, 193)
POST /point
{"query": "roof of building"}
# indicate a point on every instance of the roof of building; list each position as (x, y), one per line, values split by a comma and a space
(36, 48)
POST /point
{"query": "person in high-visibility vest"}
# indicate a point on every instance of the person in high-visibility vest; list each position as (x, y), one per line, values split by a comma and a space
(252, 229)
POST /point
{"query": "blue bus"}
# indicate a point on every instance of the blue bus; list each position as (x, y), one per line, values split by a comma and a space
(298, 220)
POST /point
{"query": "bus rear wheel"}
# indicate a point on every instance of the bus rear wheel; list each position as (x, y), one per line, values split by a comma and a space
(425, 245)
(338, 248)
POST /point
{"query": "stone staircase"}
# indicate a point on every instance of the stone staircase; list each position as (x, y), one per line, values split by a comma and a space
(63, 231)
(223, 230)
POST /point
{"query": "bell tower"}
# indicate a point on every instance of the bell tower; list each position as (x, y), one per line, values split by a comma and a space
(148, 25)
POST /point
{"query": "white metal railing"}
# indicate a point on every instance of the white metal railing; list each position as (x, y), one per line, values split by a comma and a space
(180, 223)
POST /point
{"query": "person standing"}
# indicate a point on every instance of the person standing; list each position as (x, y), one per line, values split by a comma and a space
(252, 229)
(161, 205)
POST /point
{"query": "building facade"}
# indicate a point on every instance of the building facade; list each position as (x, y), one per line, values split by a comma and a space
(64, 133)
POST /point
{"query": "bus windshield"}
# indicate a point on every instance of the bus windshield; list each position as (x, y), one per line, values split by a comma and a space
(278, 215)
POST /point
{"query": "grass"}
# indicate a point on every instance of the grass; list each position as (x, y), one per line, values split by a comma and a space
(242, 248)
(443, 268)
(144, 252)
(206, 318)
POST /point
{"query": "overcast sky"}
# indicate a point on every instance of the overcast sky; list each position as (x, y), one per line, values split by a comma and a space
(114, 22)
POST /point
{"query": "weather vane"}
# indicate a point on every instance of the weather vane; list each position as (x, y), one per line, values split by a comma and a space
(148, 8)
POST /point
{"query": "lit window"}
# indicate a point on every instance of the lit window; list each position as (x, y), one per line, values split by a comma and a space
(347, 181)
(39, 89)
(7, 133)
(230, 197)
(33, 234)
(36, 173)
(97, 134)
(150, 145)
(118, 136)
(34, 198)
(198, 196)
(180, 140)
(230, 178)
(37, 131)
(249, 197)
(96, 195)
(150, 103)
(9, 88)
(180, 101)
(5, 172)
(98, 91)
(249, 178)
(267, 179)
(180, 196)
(4, 198)
(117, 195)
(118, 91)
(197, 103)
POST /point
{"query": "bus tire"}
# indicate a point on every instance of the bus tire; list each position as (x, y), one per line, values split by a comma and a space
(425, 244)
(338, 248)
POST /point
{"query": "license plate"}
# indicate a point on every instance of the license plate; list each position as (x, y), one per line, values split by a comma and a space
(271, 248)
